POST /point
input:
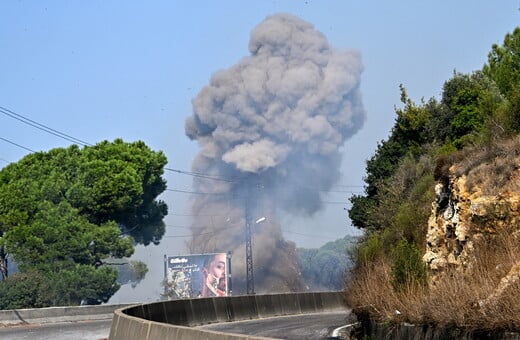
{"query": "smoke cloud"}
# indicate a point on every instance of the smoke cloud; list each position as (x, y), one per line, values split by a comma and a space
(270, 130)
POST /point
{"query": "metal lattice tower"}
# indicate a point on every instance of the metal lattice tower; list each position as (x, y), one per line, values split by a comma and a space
(250, 276)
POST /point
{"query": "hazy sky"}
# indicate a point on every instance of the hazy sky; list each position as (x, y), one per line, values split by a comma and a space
(101, 70)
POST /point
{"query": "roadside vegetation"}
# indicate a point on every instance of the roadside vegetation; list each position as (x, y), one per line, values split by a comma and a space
(475, 121)
(458, 298)
(68, 214)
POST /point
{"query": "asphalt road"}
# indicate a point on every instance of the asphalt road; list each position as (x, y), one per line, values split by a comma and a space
(84, 330)
(314, 326)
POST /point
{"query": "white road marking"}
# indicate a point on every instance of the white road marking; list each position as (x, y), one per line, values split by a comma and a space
(335, 333)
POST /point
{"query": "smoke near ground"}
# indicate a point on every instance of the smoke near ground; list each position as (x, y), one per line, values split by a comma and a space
(270, 130)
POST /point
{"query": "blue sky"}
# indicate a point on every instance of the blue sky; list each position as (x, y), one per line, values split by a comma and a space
(101, 70)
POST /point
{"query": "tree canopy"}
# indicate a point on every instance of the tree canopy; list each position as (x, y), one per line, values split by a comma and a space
(63, 212)
(503, 64)
(325, 267)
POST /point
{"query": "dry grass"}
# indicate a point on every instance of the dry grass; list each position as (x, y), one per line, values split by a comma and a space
(372, 292)
(457, 298)
(491, 167)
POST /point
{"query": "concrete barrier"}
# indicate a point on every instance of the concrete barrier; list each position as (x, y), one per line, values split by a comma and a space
(58, 314)
(130, 327)
(243, 307)
(307, 303)
(173, 319)
(268, 305)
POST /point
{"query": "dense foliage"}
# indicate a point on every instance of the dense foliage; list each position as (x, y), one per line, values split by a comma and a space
(65, 211)
(474, 110)
(324, 268)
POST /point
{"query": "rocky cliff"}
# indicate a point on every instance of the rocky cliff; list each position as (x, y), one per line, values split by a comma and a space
(477, 198)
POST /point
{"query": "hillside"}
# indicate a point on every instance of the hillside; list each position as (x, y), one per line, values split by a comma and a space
(441, 206)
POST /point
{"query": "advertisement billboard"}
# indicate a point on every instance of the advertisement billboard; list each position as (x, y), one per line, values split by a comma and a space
(200, 275)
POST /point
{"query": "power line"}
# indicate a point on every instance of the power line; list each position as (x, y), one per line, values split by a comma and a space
(308, 235)
(333, 202)
(177, 226)
(199, 175)
(198, 227)
(221, 178)
(297, 184)
(218, 230)
(198, 192)
(42, 127)
(188, 192)
(329, 237)
(349, 186)
(18, 145)
(337, 191)
(195, 215)
(235, 198)
(226, 193)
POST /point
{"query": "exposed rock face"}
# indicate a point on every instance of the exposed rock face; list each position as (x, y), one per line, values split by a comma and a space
(475, 201)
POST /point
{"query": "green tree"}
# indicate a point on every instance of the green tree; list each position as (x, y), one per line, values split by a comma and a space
(410, 134)
(325, 267)
(58, 236)
(503, 67)
(468, 104)
(503, 64)
(510, 114)
(65, 211)
(403, 207)
(80, 284)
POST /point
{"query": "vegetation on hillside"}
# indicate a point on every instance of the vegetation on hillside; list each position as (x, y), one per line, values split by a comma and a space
(324, 268)
(64, 212)
(476, 111)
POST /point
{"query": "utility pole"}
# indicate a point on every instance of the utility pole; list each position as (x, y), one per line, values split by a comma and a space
(250, 276)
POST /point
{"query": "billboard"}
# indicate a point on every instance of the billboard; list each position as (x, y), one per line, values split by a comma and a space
(201, 275)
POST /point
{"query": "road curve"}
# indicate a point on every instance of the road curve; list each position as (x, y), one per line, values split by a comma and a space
(313, 326)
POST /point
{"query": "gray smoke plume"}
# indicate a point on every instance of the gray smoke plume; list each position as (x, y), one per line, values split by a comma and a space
(270, 128)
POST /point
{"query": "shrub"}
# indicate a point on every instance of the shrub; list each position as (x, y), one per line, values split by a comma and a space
(408, 268)
(24, 290)
(368, 250)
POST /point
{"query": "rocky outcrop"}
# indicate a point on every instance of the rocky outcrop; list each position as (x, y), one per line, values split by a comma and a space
(474, 202)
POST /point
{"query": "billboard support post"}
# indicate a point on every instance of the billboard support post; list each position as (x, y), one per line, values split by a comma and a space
(229, 284)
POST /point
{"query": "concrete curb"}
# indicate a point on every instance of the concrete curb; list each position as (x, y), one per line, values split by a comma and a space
(58, 314)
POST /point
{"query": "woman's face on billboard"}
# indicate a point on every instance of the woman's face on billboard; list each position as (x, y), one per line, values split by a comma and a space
(217, 267)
